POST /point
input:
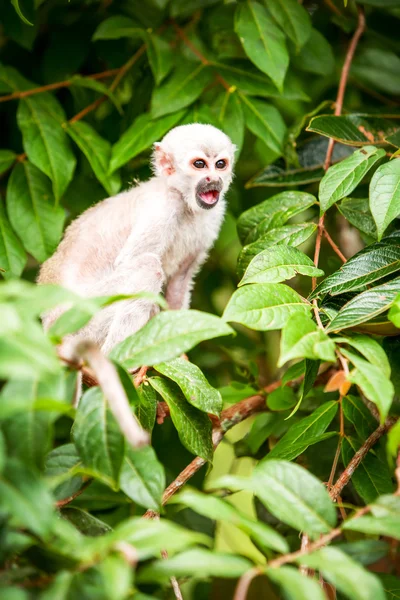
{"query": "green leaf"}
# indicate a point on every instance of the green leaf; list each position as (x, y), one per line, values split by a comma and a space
(288, 235)
(26, 499)
(231, 118)
(357, 212)
(392, 139)
(217, 509)
(27, 353)
(96, 86)
(198, 563)
(181, 89)
(294, 496)
(345, 574)
(379, 68)
(12, 254)
(194, 427)
(282, 398)
(149, 536)
(146, 410)
(251, 81)
(369, 348)
(142, 477)
(372, 381)
(357, 413)
(85, 522)
(365, 306)
(301, 338)
(384, 195)
(341, 179)
(294, 585)
(388, 525)
(193, 384)
(7, 159)
(394, 312)
(372, 478)
(262, 40)
(265, 121)
(277, 264)
(304, 433)
(116, 27)
(264, 306)
(143, 132)
(161, 57)
(167, 335)
(98, 152)
(390, 583)
(97, 438)
(28, 430)
(365, 267)
(292, 18)
(61, 466)
(316, 56)
(40, 119)
(262, 427)
(349, 129)
(30, 206)
(271, 213)
(393, 440)
(19, 12)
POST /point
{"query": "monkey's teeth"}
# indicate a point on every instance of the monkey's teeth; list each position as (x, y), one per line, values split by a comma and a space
(210, 197)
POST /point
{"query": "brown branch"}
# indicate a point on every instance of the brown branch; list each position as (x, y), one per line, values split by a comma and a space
(182, 35)
(120, 74)
(65, 501)
(55, 86)
(338, 110)
(320, 543)
(334, 246)
(359, 457)
(244, 583)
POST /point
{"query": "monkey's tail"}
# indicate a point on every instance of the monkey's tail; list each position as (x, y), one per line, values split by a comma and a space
(107, 377)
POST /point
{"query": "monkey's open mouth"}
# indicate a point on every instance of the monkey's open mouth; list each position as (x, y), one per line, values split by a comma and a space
(211, 197)
(207, 194)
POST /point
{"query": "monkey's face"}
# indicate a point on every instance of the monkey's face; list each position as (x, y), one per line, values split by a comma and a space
(197, 161)
(208, 176)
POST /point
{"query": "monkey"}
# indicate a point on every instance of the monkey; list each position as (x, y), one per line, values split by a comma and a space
(153, 237)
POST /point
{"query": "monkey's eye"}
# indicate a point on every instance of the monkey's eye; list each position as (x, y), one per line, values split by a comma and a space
(220, 164)
(199, 164)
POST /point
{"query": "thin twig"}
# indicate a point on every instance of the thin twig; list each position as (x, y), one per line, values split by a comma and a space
(121, 72)
(55, 86)
(334, 246)
(359, 457)
(338, 110)
(320, 543)
(244, 583)
(182, 35)
(65, 501)
(174, 582)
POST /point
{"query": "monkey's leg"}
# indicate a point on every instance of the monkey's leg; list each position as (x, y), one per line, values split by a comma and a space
(179, 287)
(131, 315)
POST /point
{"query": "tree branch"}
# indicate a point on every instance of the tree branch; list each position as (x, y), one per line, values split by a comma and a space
(56, 86)
(338, 110)
(358, 457)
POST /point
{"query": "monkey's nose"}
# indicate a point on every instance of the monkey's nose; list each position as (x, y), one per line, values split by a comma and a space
(208, 179)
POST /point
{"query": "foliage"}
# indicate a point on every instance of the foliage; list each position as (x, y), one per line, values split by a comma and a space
(86, 88)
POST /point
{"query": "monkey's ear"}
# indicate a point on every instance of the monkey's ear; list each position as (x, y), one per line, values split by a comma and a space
(162, 160)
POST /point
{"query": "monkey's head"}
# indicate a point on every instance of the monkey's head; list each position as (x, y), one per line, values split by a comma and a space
(197, 161)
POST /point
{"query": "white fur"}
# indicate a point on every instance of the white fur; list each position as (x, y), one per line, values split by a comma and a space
(152, 237)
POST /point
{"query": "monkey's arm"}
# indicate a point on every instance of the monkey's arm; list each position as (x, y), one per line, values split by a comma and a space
(179, 287)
